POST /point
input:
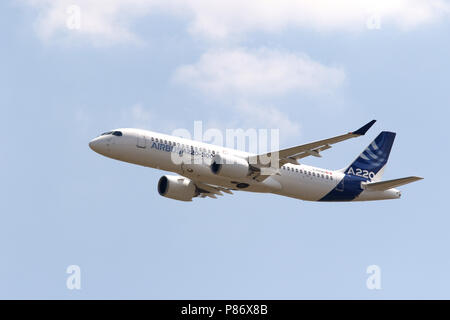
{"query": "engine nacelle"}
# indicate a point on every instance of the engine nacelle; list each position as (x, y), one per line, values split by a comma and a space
(230, 166)
(177, 187)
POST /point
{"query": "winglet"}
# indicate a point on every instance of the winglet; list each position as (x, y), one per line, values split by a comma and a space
(362, 131)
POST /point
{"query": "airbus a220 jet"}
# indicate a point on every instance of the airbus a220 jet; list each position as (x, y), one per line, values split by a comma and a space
(206, 170)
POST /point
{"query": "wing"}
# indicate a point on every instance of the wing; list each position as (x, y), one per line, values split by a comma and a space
(291, 155)
(208, 190)
(389, 184)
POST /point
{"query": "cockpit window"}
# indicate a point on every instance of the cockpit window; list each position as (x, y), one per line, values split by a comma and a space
(115, 133)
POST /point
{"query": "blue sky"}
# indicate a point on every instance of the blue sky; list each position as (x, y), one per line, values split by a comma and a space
(311, 70)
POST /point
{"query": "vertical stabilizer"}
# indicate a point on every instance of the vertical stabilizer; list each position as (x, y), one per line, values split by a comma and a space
(372, 161)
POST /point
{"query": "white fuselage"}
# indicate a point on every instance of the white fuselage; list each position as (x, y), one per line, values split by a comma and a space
(155, 150)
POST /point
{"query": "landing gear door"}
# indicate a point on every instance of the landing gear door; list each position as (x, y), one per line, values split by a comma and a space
(141, 142)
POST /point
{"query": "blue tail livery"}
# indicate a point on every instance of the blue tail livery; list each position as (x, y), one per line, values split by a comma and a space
(368, 167)
(373, 159)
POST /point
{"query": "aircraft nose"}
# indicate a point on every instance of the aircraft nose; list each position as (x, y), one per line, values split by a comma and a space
(93, 144)
(98, 145)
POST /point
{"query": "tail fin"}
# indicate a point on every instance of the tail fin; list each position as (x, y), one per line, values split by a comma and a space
(371, 162)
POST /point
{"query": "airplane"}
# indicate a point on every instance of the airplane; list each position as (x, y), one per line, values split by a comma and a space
(206, 170)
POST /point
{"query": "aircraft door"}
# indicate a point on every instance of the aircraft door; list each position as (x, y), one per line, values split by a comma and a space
(141, 142)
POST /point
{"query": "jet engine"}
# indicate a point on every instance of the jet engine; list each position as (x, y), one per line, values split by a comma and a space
(230, 166)
(177, 187)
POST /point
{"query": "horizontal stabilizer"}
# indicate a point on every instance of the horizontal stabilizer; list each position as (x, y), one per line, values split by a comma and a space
(389, 184)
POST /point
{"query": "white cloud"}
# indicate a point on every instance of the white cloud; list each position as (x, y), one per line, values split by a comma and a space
(262, 72)
(260, 116)
(110, 20)
(103, 22)
(218, 19)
